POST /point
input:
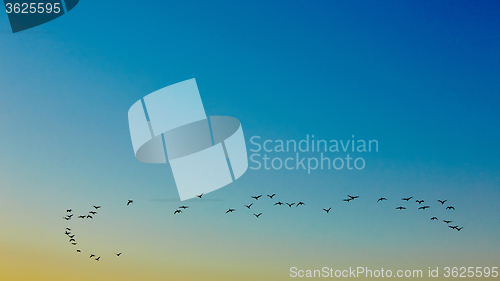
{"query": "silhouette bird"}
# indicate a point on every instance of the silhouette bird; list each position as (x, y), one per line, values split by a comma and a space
(71, 236)
(91, 255)
(69, 211)
(442, 201)
(419, 201)
(78, 251)
(97, 259)
(300, 203)
(400, 208)
(352, 197)
(256, 197)
(382, 199)
(407, 198)
(447, 222)
(177, 212)
(278, 203)
(92, 212)
(347, 200)
(74, 243)
(327, 210)
(459, 228)
(66, 218)
(67, 233)
(183, 207)
(72, 240)
(230, 211)
(248, 206)
(453, 227)
(450, 208)
(97, 207)
(290, 205)
(199, 196)
(424, 207)
(257, 215)
(69, 216)
(89, 217)
(434, 218)
(130, 202)
(118, 254)
(67, 228)
(271, 196)
(81, 217)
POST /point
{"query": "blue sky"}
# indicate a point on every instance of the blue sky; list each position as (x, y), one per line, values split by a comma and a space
(420, 77)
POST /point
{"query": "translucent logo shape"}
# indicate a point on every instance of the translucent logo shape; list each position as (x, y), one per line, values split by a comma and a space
(205, 154)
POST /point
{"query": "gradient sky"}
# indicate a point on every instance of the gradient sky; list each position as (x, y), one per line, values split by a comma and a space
(421, 77)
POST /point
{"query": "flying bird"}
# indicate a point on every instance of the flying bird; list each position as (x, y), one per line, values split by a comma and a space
(407, 198)
(257, 215)
(118, 254)
(442, 201)
(97, 259)
(327, 210)
(256, 197)
(91, 255)
(69, 210)
(453, 227)
(347, 200)
(89, 217)
(81, 217)
(67, 233)
(74, 243)
(290, 205)
(424, 207)
(130, 202)
(447, 222)
(459, 228)
(69, 216)
(72, 240)
(71, 236)
(78, 251)
(199, 196)
(183, 207)
(271, 196)
(419, 201)
(300, 203)
(400, 208)
(278, 203)
(450, 208)
(248, 206)
(352, 197)
(97, 207)
(230, 211)
(434, 218)
(68, 228)
(382, 199)
(92, 212)
(66, 218)
(177, 212)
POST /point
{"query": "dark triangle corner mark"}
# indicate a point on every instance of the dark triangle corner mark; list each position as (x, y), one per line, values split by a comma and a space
(22, 21)
(70, 4)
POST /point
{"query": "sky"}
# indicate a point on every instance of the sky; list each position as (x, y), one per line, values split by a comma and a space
(420, 77)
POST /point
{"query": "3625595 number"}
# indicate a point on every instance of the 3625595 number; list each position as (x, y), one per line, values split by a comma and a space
(470, 272)
(33, 8)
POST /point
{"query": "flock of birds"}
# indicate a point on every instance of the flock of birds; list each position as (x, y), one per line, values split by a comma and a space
(90, 215)
(349, 199)
(407, 199)
(179, 210)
